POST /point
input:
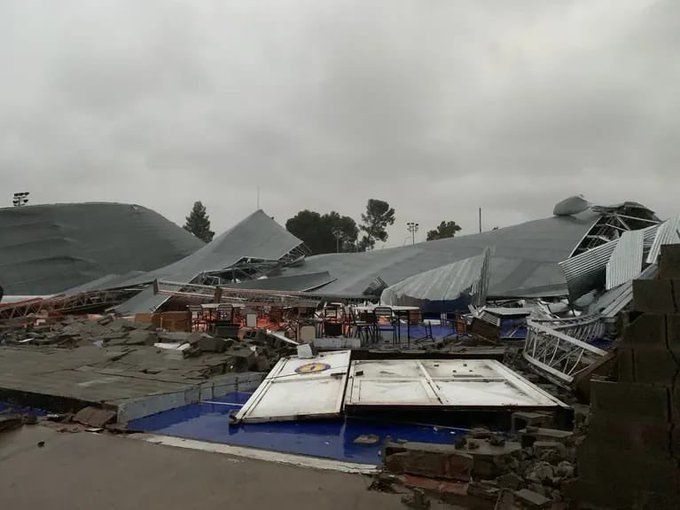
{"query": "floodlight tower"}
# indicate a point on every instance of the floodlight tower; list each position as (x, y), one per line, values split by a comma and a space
(338, 234)
(412, 228)
(20, 198)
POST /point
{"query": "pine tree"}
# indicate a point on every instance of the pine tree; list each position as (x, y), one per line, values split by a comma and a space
(198, 223)
(379, 215)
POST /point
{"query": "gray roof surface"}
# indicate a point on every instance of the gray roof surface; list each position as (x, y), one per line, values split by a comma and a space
(524, 258)
(46, 249)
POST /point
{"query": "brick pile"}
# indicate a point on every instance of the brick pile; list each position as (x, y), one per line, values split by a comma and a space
(631, 455)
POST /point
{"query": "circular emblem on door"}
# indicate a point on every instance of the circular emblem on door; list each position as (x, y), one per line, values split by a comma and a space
(311, 368)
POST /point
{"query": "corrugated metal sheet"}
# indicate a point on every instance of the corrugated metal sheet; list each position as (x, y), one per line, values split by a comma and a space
(668, 233)
(612, 302)
(446, 283)
(584, 271)
(625, 262)
(587, 271)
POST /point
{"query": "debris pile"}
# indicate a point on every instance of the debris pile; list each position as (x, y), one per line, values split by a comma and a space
(484, 469)
(258, 352)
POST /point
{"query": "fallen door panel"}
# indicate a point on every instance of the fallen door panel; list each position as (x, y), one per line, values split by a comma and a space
(299, 388)
(455, 384)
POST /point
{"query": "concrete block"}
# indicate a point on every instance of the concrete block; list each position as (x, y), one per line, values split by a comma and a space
(631, 433)
(639, 400)
(653, 296)
(669, 262)
(522, 419)
(95, 417)
(656, 366)
(437, 461)
(540, 447)
(529, 436)
(619, 468)
(625, 365)
(438, 486)
(589, 494)
(646, 330)
(532, 499)
(673, 332)
(675, 442)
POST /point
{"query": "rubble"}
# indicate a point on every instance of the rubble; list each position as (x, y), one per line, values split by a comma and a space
(429, 460)
(258, 353)
(531, 476)
(532, 499)
(94, 417)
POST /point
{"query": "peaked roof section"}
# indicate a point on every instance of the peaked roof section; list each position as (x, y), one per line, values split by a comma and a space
(45, 249)
(256, 237)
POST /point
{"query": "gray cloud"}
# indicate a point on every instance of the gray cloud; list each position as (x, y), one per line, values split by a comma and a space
(438, 107)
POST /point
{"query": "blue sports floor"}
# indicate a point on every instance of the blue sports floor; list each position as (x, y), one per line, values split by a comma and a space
(333, 439)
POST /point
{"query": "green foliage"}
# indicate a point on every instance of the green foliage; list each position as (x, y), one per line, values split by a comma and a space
(378, 216)
(444, 230)
(324, 233)
(198, 223)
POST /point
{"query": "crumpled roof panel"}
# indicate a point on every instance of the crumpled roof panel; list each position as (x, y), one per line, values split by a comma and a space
(445, 283)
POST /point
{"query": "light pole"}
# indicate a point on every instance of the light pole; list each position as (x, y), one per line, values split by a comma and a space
(20, 198)
(338, 234)
(413, 228)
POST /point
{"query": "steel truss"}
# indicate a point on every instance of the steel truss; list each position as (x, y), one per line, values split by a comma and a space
(558, 348)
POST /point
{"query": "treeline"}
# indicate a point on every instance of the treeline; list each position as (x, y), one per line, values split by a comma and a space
(330, 232)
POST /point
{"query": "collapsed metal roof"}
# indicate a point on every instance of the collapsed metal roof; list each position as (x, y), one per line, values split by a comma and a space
(45, 249)
(256, 240)
(523, 262)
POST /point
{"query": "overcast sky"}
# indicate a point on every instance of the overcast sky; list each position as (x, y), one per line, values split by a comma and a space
(438, 107)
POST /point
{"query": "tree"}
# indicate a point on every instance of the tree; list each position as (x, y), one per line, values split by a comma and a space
(444, 230)
(325, 233)
(378, 216)
(198, 223)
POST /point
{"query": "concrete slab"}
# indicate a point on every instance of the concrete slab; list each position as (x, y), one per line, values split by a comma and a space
(135, 381)
(77, 471)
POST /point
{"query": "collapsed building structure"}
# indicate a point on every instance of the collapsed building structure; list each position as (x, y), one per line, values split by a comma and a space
(558, 285)
(575, 268)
